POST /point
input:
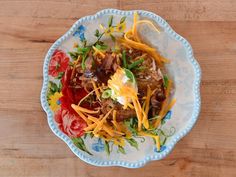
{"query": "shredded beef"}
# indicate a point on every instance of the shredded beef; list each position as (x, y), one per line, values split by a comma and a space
(121, 114)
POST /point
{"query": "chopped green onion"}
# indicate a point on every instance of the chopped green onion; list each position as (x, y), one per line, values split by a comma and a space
(141, 68)
(106, 94)
(83, 62)
(124, 59)
(166, 81)
(73, 55)
(136, 63)
(83, 50)
(101, 47)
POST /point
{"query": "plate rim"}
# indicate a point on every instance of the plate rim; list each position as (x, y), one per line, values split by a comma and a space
(180, 135)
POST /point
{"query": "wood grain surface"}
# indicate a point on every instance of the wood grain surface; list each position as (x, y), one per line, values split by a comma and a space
(27, 145)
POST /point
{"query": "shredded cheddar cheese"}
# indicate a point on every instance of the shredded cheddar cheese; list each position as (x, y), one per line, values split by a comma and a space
(96, 51)
(101, 122)
(81, 109)
(134, 28)
(96, 90)
(80, 113)
(114, 121)
(156, 137)
(90, 127)
(147, 103)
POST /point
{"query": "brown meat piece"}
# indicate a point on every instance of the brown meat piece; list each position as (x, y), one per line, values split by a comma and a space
(133, 53)
(121, 114)
(106, 67)
(143, 83)
(156, 101)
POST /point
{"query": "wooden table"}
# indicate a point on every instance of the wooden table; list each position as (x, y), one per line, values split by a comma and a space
(29, 148)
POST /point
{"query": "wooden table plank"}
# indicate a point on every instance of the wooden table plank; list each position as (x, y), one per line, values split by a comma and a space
(29, 148)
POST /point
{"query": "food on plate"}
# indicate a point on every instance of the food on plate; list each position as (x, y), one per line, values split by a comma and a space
(117, 90)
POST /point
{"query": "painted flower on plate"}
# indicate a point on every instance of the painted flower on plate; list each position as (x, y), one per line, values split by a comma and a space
(70, 95)
(58, 63)
(54, 101)
(98, 146)
(162, 149)
(80, 33)
(120, 27)
(69, 124)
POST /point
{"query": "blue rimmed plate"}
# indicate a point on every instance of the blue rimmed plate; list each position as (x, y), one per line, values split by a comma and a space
(183, 68)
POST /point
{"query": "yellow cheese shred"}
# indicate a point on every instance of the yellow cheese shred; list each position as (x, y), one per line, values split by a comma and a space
(134, 28)
(114, 121)
(98, 52)
(90, 127)
(101, 122)
(158, 144)
(130, 106)
(85, 110)
(147, 103)
(109, 130)
(119, 142)
(96, 90)
(138, 113)
(94, 119)
(156, 137)
(164, 104)
(137, 45)
(163, 113)
(80, 114)
(90, 93)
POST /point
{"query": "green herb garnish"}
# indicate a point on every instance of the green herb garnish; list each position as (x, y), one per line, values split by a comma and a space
(101, 46)
(141, 68)
(106, 94)
(124, 59)
(166, 81)
(135, 64)
(73, 55)
(132, 125)
(83, 51)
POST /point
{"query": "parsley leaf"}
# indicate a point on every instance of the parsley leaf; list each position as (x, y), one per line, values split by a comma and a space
(166, 81)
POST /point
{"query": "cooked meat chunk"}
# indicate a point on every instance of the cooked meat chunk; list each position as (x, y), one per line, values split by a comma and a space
(143, 83)
(121, 114)
(106, 67)
(156, 101)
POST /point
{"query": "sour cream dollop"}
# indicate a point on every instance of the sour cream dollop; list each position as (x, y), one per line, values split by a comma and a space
(123, 86)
